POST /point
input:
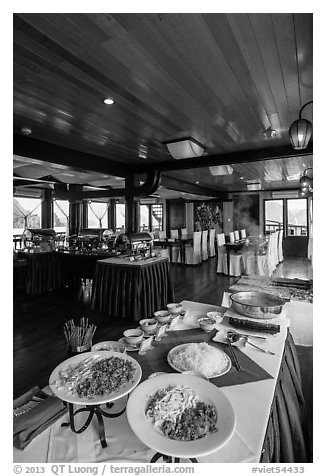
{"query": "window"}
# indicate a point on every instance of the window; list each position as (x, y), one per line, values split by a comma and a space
(26, 214)
(151, 217)
(273, 215)
(157, 216)
(97, 215)
(120, 216)
(289, 214)
(144, 217)
(61, 216)
(297, 217)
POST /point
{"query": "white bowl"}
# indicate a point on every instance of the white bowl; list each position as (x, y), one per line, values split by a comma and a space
(162, 316)
(207, 324)
(218, 316)
(133, 336)
(148, 325)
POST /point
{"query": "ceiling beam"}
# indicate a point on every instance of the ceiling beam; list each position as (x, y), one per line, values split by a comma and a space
(239, 157)
(55, 154)
(182, 186)
(150, 186)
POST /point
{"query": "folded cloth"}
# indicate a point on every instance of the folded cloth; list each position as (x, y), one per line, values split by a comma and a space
(44, 410)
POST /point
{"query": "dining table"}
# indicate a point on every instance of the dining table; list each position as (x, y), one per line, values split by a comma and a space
(127, 288)
(265, 394)
(180, 243)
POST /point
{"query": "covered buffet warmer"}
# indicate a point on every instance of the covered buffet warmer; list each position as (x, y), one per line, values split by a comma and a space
(134, 243)
(42, 238)
(90, 238)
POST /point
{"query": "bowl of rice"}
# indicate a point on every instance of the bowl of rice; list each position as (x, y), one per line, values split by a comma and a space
(199, 357)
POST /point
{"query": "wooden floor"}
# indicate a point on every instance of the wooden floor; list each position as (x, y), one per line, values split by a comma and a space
(38, 340)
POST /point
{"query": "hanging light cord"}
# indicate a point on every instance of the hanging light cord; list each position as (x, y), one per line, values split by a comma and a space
(307, 103)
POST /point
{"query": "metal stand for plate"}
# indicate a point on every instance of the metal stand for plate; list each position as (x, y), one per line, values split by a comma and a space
(169, 459)
(93, 410)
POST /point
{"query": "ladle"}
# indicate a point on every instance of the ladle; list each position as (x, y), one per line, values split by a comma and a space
(233, 337)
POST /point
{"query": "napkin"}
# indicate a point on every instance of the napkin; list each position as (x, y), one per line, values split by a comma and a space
(46, 410)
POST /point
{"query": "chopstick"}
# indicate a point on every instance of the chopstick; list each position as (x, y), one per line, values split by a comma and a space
(79, 336)
(235, 359)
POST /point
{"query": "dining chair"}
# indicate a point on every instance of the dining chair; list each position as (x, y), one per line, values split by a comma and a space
(273, 259)
(162, 235)
(236, 235)
(162, 252)
(222, 265)
(175, 251)
(184, 232)
(193, 253)
(235, 263)
(249, 262)
(243, 234)
(211, 241)
(204, 252)
(264, 265)
(280, 246)
(231, 237)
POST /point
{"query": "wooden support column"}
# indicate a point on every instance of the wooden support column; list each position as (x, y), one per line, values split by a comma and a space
(111, 214)
(47, 209)
(132, 218)
(75, 211)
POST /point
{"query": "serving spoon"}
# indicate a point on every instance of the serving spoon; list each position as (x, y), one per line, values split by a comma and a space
(233, 337)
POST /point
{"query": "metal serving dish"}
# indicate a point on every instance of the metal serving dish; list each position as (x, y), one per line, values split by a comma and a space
(257, 305)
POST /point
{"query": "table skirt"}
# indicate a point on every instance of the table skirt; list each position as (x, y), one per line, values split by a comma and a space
(286, 439)
(43, 273)
(132, 292)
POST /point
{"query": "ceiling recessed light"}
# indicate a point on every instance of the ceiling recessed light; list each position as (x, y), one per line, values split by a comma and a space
(197, 182)
(241, 178)
(108, 101)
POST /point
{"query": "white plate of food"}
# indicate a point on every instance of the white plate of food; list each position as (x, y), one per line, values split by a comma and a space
(93, 378)
(161, 412)
(199, 357)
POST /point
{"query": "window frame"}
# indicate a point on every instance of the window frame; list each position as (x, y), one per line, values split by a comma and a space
(53, 210)
(40, 205)
(285, 216)
(88, 209)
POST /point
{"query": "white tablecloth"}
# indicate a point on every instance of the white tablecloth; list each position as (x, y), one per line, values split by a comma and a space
(299, 313)
(251, 402)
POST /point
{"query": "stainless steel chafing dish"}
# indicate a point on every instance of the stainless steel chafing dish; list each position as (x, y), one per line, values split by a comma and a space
(136, 243)
(257, 304)
(42, 237)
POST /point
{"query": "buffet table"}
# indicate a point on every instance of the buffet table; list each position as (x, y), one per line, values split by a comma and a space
(79, 265)
(42, 273)
(132, 289)
(269, 412)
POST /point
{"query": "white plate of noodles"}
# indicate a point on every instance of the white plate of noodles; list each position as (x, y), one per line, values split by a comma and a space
(199, 357)
(157, 407)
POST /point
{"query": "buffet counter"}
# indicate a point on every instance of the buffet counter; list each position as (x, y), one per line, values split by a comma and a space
(131, 289)
(42, 273)
(269, 412)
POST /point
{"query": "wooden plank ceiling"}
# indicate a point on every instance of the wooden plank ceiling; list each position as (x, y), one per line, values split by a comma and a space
(220, 78)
